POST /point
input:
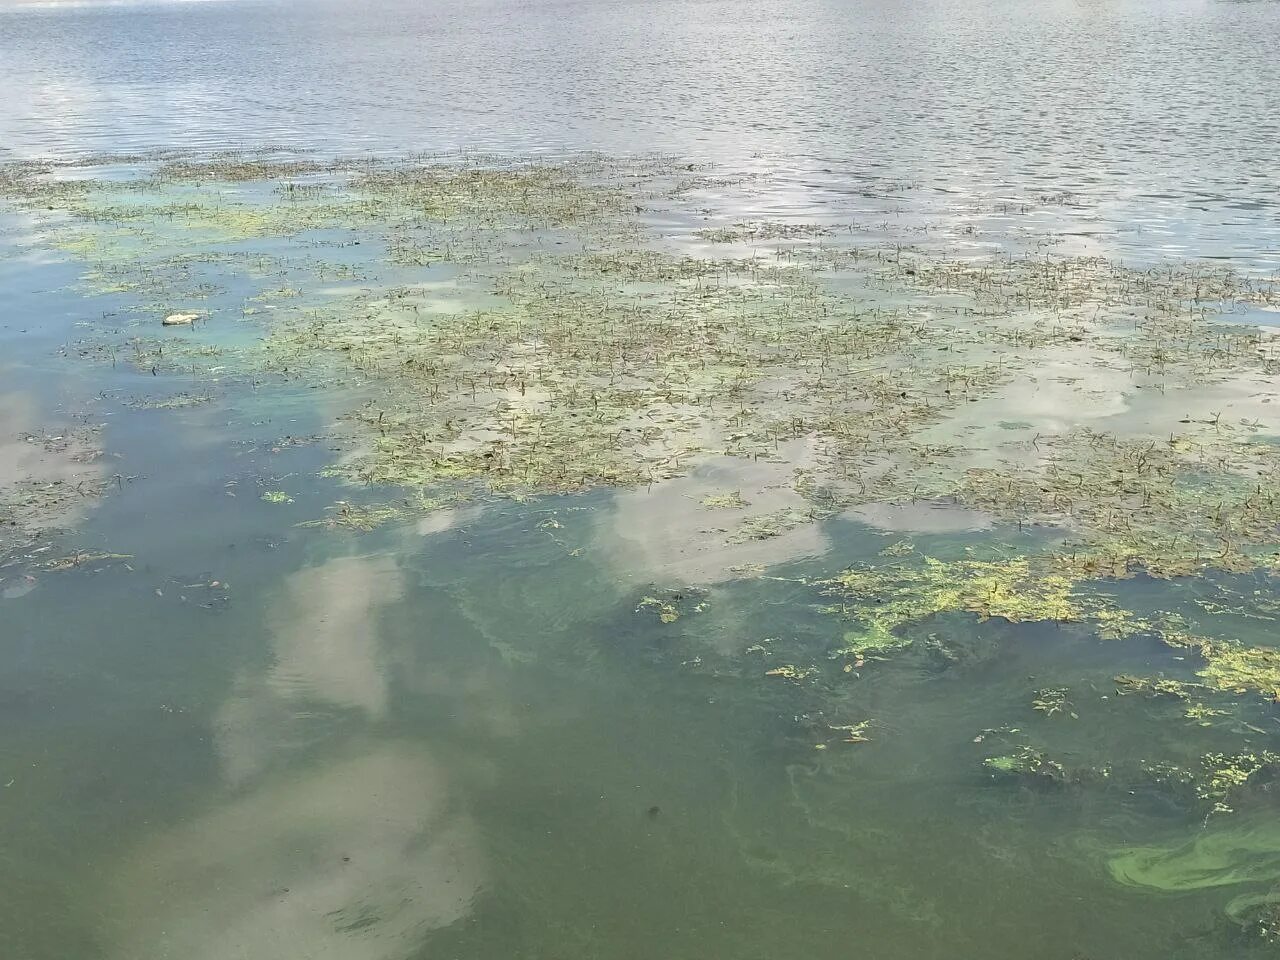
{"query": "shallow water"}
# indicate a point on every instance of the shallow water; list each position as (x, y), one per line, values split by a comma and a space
(475, 731)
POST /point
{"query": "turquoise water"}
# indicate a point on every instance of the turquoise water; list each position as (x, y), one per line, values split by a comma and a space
(231, 734)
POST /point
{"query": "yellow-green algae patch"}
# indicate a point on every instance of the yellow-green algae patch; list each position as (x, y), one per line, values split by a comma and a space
(1231, 666)
(1231, 852)
(1236, 667)
(884, 598)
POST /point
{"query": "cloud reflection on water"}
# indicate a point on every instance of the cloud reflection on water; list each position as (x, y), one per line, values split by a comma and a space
(354, 856)
(353, 859)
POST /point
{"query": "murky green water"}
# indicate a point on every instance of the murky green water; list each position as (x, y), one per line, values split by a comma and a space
(850, 532)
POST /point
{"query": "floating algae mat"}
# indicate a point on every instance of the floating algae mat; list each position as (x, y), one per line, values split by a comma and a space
(882, 523)
(1242, 855)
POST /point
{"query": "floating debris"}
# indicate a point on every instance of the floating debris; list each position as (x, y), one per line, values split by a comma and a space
(668, 612)
(1027, 763)
(1232, 666)
(790, 671)
(365, 517)
(725, 501)
(853, 732)
(81, 559)
(49, 477)
(1052, 700)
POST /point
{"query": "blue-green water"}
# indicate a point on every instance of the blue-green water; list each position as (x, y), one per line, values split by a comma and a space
(466, 735)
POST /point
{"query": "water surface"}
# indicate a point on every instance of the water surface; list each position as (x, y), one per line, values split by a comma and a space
(470, 732)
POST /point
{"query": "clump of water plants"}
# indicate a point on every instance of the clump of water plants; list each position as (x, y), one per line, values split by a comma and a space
(83, 558)
(1257, 916)
(1155, 687)
(769, 525)
(667, 611)
(1192, 697)
(1239, 668)
(1216, 783)
(1027, 763)
(363, 517)
(1231, 666)
(852, 732)
(732, 500)
(789, 671)
(1225, 775)
(48, 479)
(883, 599)
(1053, 700)
(671, 605)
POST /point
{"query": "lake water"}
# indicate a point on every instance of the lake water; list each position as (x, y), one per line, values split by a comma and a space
(644, 480)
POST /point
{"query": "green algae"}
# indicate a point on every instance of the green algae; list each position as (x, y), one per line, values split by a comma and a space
(1231, 666)
(1239, 668)
(1025, 763)
(886, 598)
(1229, 853)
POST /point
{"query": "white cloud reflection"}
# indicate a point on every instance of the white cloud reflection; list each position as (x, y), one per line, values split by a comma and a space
(356, 856)
(355, 859)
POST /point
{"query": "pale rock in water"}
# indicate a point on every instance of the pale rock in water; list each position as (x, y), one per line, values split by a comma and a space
(180, 319)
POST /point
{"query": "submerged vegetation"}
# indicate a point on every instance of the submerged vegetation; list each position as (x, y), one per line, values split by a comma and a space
(48, 478)
(483, 330)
